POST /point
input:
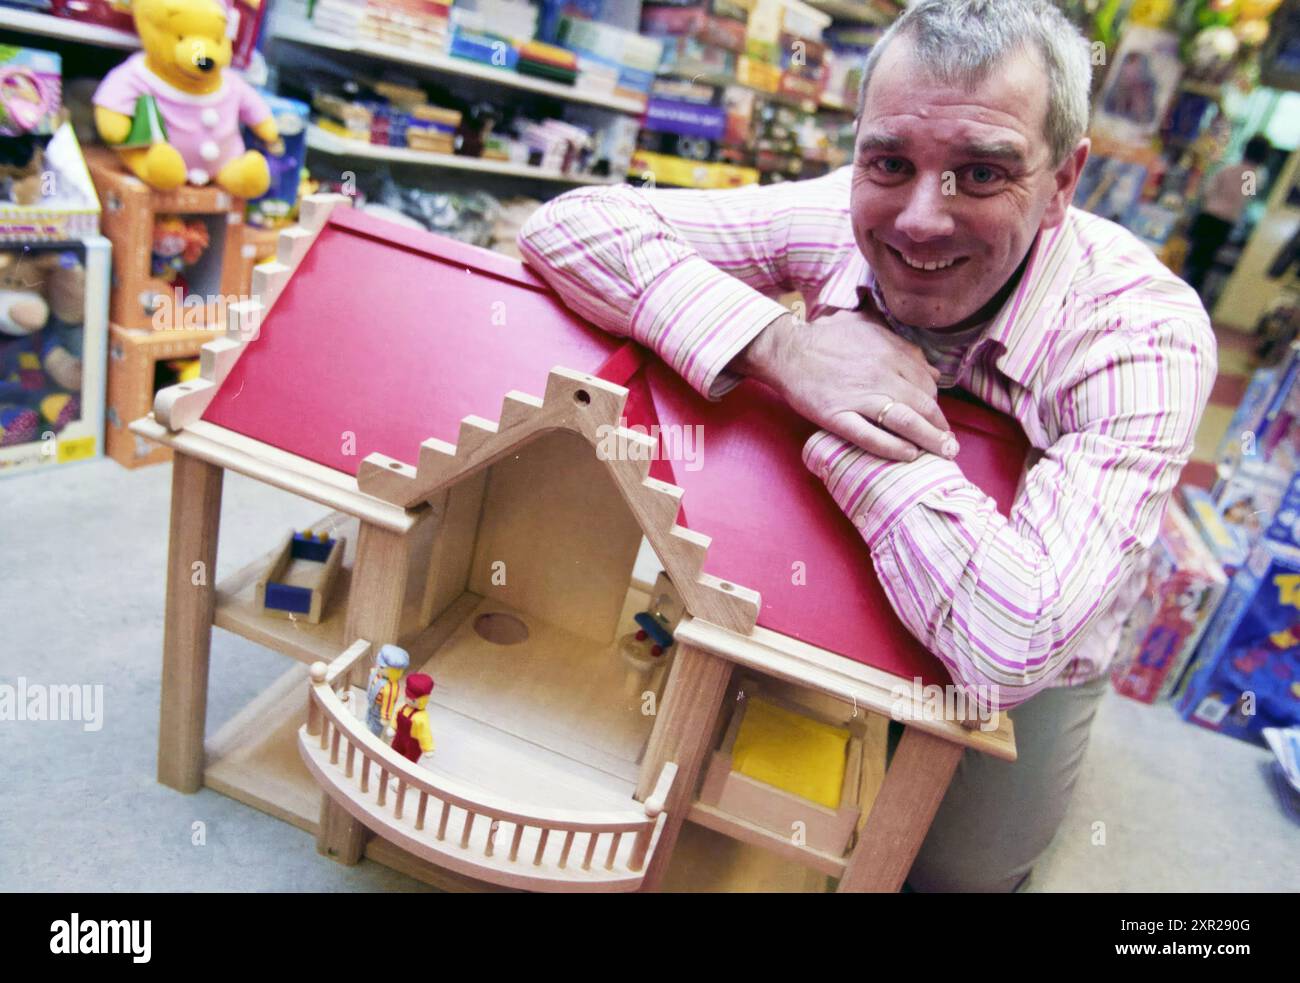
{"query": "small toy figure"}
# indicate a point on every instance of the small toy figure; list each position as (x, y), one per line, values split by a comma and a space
(381, 693)
(413, 737)
(177, 244)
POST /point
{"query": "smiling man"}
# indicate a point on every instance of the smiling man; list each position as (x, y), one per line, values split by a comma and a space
(947, 255)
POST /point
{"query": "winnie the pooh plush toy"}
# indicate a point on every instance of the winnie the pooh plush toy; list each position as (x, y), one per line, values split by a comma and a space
(181, 76)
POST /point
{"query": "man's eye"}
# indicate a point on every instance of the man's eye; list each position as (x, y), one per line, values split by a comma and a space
(982, 175)
(889, 166)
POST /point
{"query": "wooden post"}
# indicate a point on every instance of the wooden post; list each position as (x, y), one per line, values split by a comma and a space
(914, 785)
(375, 614)
(187, 627)
(683, 730)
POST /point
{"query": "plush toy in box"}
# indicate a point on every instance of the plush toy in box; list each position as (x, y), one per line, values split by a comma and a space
(1184, 586)
(53, 353)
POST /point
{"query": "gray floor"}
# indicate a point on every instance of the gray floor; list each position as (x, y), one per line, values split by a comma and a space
(84, 550)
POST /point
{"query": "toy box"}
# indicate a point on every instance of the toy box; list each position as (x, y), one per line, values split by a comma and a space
(1278, 435)
(1184, 586)
(1247, 671)
(1226, 544)
(1285, 524)
(53, 331)
(32, 93)
(68, 208)
(279, 206)
(1241, 436)
(139, 364)
(143, 298)
(1248, 497)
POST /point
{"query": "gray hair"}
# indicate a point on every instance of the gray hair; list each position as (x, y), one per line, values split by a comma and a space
(959, 42)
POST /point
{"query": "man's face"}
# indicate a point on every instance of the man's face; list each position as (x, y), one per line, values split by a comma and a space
(955, 178)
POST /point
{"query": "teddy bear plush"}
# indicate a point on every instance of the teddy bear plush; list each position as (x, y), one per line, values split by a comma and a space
(180, 79)
(41, 314)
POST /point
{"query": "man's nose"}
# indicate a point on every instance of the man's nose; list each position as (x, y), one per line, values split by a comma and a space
(926, 215)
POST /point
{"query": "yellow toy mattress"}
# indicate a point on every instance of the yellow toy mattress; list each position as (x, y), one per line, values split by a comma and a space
(795, 753)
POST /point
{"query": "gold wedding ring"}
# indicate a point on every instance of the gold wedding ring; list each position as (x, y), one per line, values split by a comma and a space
(880, 417)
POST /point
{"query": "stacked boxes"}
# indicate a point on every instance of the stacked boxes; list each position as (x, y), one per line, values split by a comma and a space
(140, 363)
(609, 54)
(143, 301)
(1247, 671)
(1226, 545)
(1183, 589)
(420, 24)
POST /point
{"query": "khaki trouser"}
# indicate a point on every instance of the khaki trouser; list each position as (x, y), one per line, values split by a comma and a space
(998, 817)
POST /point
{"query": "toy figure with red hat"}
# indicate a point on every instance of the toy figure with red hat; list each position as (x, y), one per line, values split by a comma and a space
(413, 736)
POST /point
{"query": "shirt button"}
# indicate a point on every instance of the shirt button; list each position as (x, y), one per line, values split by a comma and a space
(199, 176)
(210, 117)
(209, 150)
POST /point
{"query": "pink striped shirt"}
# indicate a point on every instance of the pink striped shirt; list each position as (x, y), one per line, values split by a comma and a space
(1104, 357)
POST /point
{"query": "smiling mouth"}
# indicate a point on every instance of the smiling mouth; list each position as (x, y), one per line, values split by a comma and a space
(926, 266)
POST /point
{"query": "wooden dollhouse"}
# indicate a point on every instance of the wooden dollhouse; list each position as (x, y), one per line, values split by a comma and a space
(495, 465)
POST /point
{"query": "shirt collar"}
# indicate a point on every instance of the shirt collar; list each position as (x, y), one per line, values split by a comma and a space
(1020, 327)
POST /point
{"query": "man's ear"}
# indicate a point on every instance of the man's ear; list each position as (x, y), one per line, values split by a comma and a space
(1067, 178)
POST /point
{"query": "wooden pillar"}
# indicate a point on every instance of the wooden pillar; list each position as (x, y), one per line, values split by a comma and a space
(187, 625)
(683, 731)
(914, 785)
(375, 614)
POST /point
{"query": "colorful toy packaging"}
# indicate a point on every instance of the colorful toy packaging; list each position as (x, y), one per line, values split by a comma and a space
(1226, 544)
(31, 91)
(1184, 586)
(1246, 676)
(1248, 498)
(279, 206)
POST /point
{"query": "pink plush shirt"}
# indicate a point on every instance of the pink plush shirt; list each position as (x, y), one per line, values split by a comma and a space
(205, 129)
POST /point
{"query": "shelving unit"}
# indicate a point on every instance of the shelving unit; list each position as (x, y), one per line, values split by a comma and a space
(325, 142)
(298, 32)
(45, 25)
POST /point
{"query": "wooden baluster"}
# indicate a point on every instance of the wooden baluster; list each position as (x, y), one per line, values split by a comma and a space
(491, 837)
(334, 746)
(352, 753)
(514, 841)
(469, 824)
(442, 823)
(401, 798)
(318, 670)
(419, 813)
(613, 851)
(592, 837)
(383, 785)
(640, 846)
(324, 733)
(541, 847)
(365, 773)
(568, 843)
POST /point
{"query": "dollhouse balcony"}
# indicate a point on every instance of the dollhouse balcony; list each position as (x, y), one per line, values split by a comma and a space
(471, 830)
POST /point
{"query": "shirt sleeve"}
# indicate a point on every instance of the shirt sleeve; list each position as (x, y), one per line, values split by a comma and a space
(691, 275)
(1005, 602)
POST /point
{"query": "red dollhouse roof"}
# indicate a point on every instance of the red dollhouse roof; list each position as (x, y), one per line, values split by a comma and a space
(386, 336)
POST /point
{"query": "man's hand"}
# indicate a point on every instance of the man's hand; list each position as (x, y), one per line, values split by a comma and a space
(841, 371)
